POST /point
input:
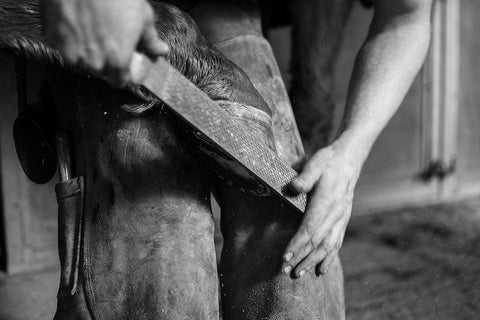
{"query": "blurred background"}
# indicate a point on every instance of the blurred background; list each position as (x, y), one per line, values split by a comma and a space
(412, 250)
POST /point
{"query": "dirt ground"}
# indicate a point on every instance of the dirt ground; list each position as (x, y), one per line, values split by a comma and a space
(420, 263)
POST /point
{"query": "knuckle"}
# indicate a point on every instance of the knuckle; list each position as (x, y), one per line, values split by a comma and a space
(309, 230)
(329, 246)
(92, 59)
(317, 241)
(295, 260)
(309, 265)
(320, 254)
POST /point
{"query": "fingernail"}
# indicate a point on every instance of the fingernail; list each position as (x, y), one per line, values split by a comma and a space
(302, 273)
(299, 185)
(287, 269)
(288, 256)
(298, 182)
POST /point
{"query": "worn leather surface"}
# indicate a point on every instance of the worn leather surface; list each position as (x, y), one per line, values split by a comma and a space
(148, 244)
(257, 230)
(256, 234)
(148, 250)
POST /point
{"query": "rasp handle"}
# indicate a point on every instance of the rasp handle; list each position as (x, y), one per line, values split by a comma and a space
(208, 118)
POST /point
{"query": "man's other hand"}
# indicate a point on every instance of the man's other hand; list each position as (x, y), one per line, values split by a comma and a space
(329, 177)
(103, 35)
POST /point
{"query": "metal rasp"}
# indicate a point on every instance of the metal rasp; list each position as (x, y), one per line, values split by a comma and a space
(213, 123)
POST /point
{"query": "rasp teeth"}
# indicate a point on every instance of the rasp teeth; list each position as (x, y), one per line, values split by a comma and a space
(211, 121)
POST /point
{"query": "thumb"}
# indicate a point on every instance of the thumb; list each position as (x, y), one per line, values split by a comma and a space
(150, 44)
(307, 178)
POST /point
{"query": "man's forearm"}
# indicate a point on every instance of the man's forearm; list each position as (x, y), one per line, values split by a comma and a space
(384, 70)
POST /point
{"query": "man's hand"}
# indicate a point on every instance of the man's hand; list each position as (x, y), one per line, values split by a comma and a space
(103, 35)
(330, 177)
(384, 69)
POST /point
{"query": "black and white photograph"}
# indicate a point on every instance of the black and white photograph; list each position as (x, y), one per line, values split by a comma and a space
(239, 160)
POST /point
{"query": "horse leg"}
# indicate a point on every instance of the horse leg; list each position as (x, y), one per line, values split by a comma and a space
(317, 32)
(147, 227)
(257, 230)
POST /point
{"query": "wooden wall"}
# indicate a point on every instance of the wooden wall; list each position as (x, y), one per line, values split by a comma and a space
(28, 210)
(468, 160)
(437, 122)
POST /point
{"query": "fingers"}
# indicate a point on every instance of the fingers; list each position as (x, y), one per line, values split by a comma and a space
(311, 260)
(325, 252)
(109, 62)
(67, 42)
(312, 171)
(298, 248)
(303, 241)
(317, 221)
(101, 39)
(308, 248)
(309, 175)
(330, 182)
(339, 235)
(320, 235)
(328, 260)
(119, 66)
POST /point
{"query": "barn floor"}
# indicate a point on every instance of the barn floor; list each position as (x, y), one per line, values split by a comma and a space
(421, 263)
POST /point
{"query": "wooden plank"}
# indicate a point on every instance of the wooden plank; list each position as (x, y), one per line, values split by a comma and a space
(450, 16)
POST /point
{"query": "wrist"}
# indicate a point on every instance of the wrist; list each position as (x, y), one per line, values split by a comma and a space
(353, 146)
